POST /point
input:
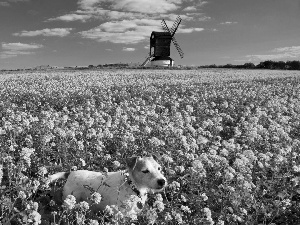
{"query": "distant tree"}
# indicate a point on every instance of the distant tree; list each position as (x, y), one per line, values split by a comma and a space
(228, 66)
(213, 66)
(249, 66)
(280, 65)
(265, 65)
(293, 65)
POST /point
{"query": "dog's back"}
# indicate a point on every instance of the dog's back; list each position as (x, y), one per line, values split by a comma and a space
(82, 183)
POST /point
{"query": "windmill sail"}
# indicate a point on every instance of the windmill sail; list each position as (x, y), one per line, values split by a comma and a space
(178, 47)
(174, 27)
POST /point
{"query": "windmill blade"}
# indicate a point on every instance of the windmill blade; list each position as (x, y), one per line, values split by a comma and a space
(175, 26)
(165, 26)
(177, 47)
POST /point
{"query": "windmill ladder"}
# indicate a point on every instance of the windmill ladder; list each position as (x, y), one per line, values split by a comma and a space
(147, 60)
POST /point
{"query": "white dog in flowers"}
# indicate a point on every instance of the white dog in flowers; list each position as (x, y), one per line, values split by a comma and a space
(125, 189)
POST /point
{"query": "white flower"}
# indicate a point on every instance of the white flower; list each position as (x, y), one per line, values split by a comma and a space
(25, 155)
(185, 209)
(159, 206)
(84, 206)
(93, 222)
(82, 162)
(116, 164)
(228, 176)
(204, 197)
(69, 202)
(22, 195)
(96, 197)
(108, 210)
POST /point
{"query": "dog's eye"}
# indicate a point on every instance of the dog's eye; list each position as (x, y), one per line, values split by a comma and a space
(145, 171)
(159, 168)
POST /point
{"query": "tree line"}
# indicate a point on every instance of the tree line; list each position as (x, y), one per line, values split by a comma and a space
(269, 64)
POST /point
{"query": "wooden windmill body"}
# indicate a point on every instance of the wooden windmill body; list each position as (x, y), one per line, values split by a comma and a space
(160, 43)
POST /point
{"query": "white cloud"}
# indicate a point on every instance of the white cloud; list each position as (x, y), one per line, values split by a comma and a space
(88, 4)
(126, 31)
(71, 17)
(228, 23)
(204, 18)
(20, 46)
(146, 6)
(202, 3)
(8, 2)
(15, 49)
(283, 53)
(128, 49)
(190, 8)
(130, 9)
(291, 50)
(108, 49)
(132, 21)
(190, 30)
(60, 32)
(4, 4)
(17, 0)
(129, 31)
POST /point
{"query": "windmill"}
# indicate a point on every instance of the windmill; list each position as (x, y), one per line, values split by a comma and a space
(160, 42)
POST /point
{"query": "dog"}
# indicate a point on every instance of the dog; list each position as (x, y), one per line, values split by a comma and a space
(125, 189)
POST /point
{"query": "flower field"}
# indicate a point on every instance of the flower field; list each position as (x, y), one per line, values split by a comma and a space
(229, 142)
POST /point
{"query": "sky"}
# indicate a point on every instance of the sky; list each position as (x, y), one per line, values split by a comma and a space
(93, 32)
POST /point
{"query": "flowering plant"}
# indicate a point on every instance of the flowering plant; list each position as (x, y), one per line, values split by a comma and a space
(228, 140)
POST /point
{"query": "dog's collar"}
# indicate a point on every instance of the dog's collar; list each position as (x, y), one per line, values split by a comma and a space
(132, 185)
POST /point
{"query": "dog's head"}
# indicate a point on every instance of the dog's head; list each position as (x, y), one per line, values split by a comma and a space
(146, 172)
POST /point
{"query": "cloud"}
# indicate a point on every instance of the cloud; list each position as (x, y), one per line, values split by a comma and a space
(202, 3)
(204, 18)
(190, 30)
(130, 9)
(146, 6)
(190, 8)
(20, 46)
(132, 21)
(8, 2)
(59, 32)
(128, 49)
(15, 49)
(126, 31)
(17, 0)
(292, 50)
(129, 31)
(228, 23)
(4, 4)
(283, 53)
(71, 17)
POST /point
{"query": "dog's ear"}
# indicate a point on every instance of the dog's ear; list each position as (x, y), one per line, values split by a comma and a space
(131, 162)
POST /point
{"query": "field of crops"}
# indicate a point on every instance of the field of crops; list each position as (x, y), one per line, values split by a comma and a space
(229, 141)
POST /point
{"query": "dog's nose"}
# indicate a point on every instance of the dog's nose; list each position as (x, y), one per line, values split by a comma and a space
(161, 182)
